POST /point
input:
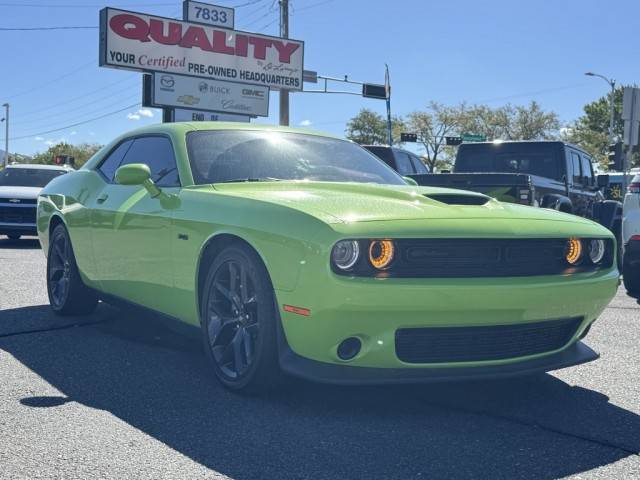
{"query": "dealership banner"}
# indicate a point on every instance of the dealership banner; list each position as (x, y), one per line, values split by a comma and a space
(214, 95)
(136, 41)
(182, 115)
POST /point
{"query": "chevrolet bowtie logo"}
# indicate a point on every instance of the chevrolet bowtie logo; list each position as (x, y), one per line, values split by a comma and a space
(14, 200)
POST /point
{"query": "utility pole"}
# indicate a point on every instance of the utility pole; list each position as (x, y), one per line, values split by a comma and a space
(284, 33)
(387, 92)
(612, 110)
(6, 135)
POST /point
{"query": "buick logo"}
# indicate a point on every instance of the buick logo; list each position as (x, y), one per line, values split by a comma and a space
(203, 87)
(167, 81)
(14, 200)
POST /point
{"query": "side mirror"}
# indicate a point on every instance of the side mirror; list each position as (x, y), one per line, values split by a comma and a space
(137, 174)
(603, 181)
(410, 181)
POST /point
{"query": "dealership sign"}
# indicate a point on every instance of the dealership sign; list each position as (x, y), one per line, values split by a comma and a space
(178, 91)
(141, 42)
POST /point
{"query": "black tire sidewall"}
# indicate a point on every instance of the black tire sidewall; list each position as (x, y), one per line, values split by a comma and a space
(58, 231)
(266, 339)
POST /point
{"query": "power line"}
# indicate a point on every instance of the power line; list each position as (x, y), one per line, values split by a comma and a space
(31, 29)
(53, 80)
(84, 5)
(307, 7)
(77, 123)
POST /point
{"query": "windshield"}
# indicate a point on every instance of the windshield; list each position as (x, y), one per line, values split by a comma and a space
(253, 155)
(28, 177)
(533, 158)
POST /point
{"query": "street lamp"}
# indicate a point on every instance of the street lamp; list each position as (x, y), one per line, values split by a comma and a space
(612, 84)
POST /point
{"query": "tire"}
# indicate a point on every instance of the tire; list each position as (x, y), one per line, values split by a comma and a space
(631, 277)
(239, 321)
(68, 295)
(13, 236)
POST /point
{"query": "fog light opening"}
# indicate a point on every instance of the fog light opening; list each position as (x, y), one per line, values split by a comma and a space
(349, 348)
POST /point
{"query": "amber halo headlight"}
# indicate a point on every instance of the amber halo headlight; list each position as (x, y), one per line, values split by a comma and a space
(573, 251)
(381, 253)
(596, 250)
(345, 254)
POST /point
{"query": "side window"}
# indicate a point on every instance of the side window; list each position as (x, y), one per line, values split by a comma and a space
(418, 166)
(403, 163)
(109, 166)
(575, 165)
(586, 169)
(157, 153)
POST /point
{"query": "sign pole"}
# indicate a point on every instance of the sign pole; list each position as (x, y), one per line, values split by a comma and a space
(284, 33)
(387, 90)
(6, 134)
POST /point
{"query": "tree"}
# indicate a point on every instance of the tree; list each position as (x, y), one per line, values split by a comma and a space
(591, 130)
(510, 122)
(432, 126)
(81, 152)
(370, 128)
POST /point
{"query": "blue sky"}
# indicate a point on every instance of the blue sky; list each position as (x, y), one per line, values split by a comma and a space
(450, 51)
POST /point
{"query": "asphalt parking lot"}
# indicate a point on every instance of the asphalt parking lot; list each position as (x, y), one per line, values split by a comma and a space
(117, 395)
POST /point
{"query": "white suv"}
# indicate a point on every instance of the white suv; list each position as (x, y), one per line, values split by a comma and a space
(631, 236)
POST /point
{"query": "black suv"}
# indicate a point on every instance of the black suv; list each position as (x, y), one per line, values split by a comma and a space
(402, 161)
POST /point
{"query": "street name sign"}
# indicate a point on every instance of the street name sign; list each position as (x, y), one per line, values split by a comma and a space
(183, 115)
(148, 43)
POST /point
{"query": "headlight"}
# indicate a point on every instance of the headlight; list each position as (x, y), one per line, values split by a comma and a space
(381, 253)
(596, 250)
(345, 254)
(573, 251)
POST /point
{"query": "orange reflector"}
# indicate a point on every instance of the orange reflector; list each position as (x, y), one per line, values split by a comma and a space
(298, 310)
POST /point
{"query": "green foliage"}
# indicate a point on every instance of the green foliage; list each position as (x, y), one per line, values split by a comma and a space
(81, 152)
(370, 128)
(591, 130)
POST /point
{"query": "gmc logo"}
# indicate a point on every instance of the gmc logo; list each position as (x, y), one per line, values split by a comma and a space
(248, 92)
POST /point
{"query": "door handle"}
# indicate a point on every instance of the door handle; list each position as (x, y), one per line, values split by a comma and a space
(102, 198)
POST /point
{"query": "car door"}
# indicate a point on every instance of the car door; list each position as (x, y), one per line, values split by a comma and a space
(132, 232)
(403, 163)
(576, 183)
(591, 194)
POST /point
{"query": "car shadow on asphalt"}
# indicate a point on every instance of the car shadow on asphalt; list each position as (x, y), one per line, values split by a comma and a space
(28, 243)
(132, 366)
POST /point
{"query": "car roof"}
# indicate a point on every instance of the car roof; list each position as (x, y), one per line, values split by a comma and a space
(183, 127)
(37, 166)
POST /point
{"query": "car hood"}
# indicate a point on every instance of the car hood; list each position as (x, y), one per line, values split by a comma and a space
(19, 192)
(353, 202)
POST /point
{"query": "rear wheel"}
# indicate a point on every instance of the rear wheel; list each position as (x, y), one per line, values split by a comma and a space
(13, 236)
(68, 295)
(631, 277)
(239, 321)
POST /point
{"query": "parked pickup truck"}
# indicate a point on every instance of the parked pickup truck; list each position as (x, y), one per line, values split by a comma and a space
(548, 174)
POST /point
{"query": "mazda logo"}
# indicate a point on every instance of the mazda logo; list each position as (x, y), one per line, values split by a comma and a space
(167, 81)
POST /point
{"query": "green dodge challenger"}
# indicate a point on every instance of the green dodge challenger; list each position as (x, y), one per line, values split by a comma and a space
(300, 253)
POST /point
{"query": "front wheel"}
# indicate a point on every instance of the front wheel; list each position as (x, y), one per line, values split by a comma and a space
(68, 295)
(239, 321)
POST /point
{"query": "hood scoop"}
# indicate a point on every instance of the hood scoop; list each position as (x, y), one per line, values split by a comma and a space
(458, 199)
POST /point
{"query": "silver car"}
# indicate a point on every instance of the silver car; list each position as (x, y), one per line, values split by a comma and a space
(20, 185)
(631, 237)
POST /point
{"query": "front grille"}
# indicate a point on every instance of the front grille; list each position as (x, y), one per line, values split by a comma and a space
(23, 201)
(474, 344)
(17, 214)
(453, 258)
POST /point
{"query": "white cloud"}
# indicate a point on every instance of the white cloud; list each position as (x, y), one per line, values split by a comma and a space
(143, 112)
(73, 133)
(49, 142)
(305, 123)
(52, 141)
(92, 134)
(39, 139)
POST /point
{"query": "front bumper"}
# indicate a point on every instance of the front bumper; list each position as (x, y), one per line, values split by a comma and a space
(374, 309)
(301, 367)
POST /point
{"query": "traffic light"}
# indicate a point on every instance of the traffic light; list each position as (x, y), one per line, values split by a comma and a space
(408, 137)
(615, 156)
(452, 141)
